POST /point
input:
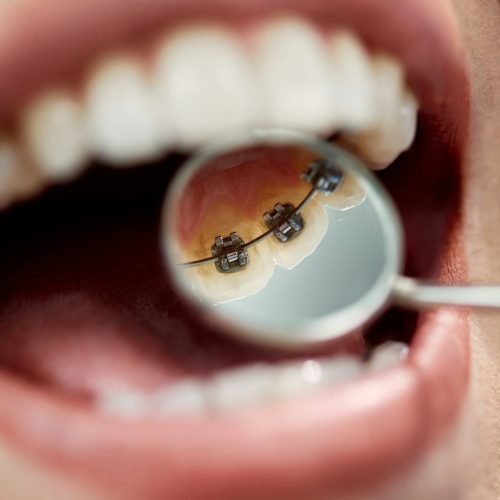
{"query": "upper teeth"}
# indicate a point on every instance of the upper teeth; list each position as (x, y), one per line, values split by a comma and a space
(206, 80)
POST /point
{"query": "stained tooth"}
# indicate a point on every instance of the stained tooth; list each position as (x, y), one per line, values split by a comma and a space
(121, 112)
(17, 179)
(215, 287)
(205, 85)
(352, 82)
(290, 254)
(388, 355)
(293, 73)
(53, 131)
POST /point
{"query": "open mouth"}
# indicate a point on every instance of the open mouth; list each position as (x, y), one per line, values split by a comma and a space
(132, 394)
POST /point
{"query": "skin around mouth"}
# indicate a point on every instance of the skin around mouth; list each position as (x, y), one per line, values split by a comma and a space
(111, 219)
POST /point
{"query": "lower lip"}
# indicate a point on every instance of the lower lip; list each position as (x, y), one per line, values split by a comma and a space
(365, 431)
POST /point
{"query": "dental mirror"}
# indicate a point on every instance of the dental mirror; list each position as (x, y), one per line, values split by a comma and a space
(285, 240)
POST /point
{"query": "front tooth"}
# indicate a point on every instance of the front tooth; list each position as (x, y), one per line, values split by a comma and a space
(293, 73)
(121, 112)
(388, 355)
(204, 84)
(216, 288)
(352, 85)
(54, 134)
(290, 254)
(17, 179)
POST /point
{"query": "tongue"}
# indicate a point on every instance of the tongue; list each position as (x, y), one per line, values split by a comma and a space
(85, 305)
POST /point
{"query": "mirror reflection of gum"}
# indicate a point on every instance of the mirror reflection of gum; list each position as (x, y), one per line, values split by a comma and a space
(231, 194)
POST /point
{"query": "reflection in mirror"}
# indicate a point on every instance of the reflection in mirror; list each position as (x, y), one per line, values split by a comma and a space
(233, 200)
(274, 236)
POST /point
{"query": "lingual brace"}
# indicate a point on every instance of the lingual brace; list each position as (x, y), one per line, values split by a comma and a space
(230, 253)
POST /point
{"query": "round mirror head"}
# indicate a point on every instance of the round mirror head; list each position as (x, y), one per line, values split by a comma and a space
(281, 239)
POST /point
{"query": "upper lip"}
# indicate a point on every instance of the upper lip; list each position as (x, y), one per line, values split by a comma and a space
(399, 411)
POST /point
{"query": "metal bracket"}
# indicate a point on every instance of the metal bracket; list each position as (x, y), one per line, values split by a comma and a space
(285, 221)
(231, 254)
(324, 176)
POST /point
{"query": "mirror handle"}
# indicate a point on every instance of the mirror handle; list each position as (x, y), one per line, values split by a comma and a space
(415, 294)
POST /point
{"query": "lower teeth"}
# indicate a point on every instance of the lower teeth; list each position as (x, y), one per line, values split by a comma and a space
(250, 387)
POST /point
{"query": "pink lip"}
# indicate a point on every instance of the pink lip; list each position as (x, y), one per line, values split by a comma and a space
(363, 432)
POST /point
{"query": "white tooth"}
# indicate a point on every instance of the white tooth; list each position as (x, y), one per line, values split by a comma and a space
(124, 404)
(396, 116)
(235, 389)
(242, 388)
(259, 385)
(292, 69)
(310, 376)
(53, 132)
(388, 355)
(17, 179)
(348, 195)
(186, 397)
(352, 82)
(216, 288)
(121, 112)
(290, 254)
(383, 145)
(205, 85)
